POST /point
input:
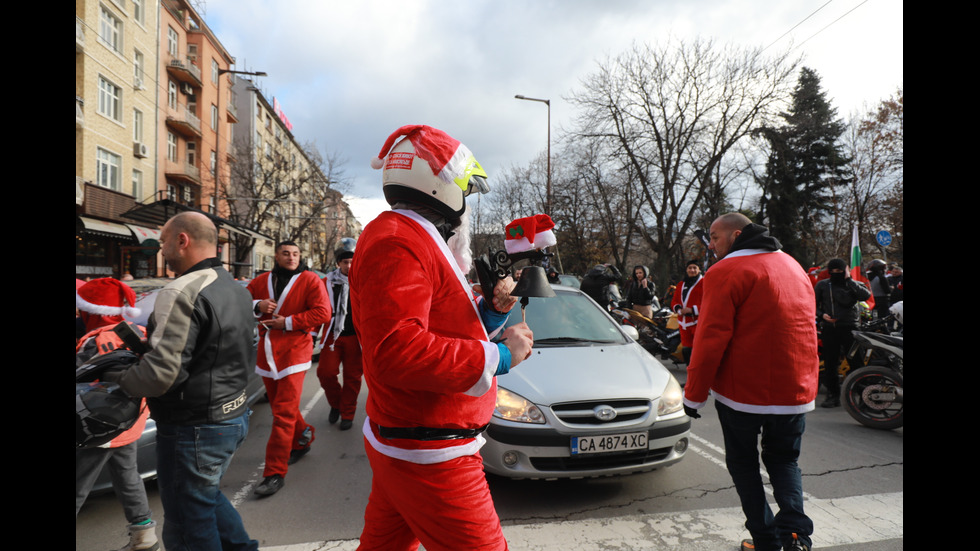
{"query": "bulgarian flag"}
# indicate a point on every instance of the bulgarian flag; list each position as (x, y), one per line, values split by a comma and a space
(856, 273)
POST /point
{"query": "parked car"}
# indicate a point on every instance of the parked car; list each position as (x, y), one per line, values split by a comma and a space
(146, 456)
(590, 401)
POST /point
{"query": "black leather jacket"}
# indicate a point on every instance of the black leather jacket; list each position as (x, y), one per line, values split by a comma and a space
(201, 349)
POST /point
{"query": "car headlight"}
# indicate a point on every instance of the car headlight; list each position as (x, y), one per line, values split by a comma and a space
(514, 407)
(672, 399)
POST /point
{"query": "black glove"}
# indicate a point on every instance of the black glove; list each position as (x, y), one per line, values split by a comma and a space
(691, 412)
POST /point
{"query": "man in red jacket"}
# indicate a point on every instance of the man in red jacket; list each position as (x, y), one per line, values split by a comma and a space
(290, 302)
(429, 362)
(755, 350)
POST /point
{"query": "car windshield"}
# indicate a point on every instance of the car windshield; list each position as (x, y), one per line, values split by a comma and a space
(568, 318)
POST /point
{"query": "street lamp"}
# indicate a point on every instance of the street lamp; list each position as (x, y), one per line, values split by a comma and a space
(547, 201)
(217, 132)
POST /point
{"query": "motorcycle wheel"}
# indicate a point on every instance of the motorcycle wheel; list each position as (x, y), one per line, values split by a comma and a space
(858, 397)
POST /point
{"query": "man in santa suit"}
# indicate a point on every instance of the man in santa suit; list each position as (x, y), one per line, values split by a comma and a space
(428, 359)
(290, 302)
(686, 303)
(755, 351)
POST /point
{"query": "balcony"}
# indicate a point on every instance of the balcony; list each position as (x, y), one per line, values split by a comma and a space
(183, 121)
(182, 172)
(182, 70)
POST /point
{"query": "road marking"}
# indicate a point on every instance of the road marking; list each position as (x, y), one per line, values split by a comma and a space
(721, 462)
(841, 521)
(256, 478)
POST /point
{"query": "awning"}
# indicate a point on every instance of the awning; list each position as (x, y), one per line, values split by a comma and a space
(158, 212)
(144, 234)
(102, 227)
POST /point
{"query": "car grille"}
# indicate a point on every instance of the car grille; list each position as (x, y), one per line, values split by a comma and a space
(581, 414)
(599, 461)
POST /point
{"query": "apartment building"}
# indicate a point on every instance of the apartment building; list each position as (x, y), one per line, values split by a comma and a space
(115, 111)
(281, 187)
(155, 116)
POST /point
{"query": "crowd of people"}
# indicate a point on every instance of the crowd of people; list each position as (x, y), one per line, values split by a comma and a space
(430, 349)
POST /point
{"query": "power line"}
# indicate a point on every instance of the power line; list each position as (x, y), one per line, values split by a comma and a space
(797, 25)
(832, 22)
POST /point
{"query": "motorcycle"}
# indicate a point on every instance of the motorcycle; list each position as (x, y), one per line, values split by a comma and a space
(873, 391)
(660, 334)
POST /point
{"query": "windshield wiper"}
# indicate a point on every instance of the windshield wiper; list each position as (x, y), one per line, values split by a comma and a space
(559, 340)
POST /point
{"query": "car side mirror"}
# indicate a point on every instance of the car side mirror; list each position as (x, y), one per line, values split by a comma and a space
(631, 332)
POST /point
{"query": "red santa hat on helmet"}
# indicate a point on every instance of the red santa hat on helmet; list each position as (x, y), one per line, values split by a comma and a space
(447, 157)
(107, 297)
(533, 232)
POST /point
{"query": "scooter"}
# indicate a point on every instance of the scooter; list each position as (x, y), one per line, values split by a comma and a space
(873, 393)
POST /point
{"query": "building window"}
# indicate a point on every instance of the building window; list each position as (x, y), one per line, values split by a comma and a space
(214, 71)
(139, 14)
(110, 99)
(171, 147)
(172, 41)
(138, 186)
(214, 117)
(214, 162)
(107, 167)
(137, 126)
(192, 153)
(172, 94)
(110, 29)
(138, 70)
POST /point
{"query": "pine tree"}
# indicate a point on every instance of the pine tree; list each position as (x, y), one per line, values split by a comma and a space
(805, 162)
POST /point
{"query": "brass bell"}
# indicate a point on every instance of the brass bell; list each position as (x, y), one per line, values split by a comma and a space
(533, 283)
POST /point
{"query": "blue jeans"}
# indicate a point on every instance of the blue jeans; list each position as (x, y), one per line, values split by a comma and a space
(190, 463)
(782, 436)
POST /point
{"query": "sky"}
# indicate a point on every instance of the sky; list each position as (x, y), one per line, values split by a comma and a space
(348, 73)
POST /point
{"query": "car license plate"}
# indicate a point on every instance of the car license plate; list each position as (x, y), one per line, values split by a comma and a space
(609, 443)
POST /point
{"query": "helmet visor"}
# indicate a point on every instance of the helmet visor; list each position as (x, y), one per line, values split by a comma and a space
(473, 179)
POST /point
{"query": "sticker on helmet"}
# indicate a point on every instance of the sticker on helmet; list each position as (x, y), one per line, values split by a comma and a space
(402, 160)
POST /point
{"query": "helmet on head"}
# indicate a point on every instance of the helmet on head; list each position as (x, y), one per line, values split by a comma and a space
(877, 264)
(102, 412)
(345, 249)
(430, 168)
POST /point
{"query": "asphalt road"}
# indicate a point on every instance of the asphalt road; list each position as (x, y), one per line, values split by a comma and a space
(852, 476)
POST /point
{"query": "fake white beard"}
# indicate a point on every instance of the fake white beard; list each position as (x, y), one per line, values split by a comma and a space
(459, 243)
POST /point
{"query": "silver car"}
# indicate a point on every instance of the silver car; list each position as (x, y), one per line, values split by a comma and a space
(589, 401)
(146, 454)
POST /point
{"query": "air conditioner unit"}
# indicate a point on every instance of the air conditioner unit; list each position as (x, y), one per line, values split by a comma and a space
(186, 89)
(138, 84)
(140, 150)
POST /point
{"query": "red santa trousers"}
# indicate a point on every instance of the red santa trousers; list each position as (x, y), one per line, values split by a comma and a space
(287, 422)
(346, 350)
(445, 506)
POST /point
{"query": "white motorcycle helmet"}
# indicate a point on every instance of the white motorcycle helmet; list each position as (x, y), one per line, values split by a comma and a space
(431, 168)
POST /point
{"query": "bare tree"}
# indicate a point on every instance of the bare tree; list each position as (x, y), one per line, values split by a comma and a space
(287, 196)
(669, 115)
(875, 143)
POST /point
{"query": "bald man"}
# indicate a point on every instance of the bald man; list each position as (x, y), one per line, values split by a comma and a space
(194, 378)
(755, 351)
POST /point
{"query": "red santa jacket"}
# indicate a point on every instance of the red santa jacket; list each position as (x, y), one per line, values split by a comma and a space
(306, 307)
(427, 359)
(756, 343)
(688, 322)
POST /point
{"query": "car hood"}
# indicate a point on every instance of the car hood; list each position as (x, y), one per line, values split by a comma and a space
(567, 374)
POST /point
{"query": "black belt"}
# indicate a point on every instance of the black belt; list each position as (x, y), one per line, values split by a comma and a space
(426, 433)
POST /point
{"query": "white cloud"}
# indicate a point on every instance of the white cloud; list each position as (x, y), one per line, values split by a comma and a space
(349, 73)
